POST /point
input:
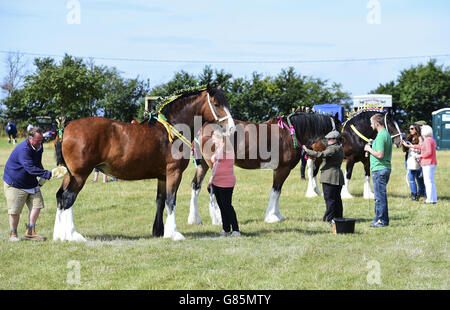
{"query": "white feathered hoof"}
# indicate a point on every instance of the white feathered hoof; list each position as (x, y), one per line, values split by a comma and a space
(64, 229)
(311, 194)
(194, 220)
(346, 195)
(274, 218)
(369, 195)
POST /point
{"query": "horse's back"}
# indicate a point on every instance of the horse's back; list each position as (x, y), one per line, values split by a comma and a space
(124, 150)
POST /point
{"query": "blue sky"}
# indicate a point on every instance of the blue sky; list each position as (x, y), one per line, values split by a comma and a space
(264, 36)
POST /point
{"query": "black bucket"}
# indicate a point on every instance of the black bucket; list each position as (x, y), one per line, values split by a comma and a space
(343, 225)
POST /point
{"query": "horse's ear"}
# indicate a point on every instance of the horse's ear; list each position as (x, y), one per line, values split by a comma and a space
(209, 88)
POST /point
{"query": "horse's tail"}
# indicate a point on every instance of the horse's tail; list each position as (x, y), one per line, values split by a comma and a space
(59, 154)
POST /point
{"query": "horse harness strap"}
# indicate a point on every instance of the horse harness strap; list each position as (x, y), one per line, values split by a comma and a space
(359, 134)
(228, 116)
(172, 133)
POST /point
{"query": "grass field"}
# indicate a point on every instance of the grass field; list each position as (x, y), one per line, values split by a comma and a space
(298, 253)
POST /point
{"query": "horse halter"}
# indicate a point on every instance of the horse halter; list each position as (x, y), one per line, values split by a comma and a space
(218, 120)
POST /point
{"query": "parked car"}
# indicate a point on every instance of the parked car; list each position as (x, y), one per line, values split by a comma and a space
(49, 135)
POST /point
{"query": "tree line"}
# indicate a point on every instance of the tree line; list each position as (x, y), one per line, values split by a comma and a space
(79, 88)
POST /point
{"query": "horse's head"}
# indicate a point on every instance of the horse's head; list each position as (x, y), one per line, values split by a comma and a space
(217, 109)
(393, 129)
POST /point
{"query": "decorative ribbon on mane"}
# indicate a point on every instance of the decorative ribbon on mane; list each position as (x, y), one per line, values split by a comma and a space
(172, 132)
(60, 122)
(291, 129)
(370, 108)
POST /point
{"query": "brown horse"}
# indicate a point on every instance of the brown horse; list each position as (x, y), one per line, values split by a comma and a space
(139, 151)
(267, 145)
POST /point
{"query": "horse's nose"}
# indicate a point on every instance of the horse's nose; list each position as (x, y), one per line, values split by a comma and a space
(231, 127)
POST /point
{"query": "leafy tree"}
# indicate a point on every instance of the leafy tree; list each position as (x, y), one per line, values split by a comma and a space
(418, 92)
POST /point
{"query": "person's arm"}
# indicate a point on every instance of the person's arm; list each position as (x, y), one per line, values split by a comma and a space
(27, 163)
(425, 149)
(329, 151)
(377, 154)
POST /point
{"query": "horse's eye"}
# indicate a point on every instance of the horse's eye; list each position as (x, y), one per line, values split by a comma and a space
(216, 105)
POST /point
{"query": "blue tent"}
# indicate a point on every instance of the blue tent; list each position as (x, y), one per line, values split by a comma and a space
(330, 109)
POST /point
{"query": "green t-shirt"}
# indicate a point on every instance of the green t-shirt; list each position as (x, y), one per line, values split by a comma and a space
(382, 142)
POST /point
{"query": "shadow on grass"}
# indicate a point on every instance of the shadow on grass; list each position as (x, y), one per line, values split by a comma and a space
(116, 237)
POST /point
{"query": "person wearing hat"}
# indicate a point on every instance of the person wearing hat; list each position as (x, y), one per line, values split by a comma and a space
(331, 176)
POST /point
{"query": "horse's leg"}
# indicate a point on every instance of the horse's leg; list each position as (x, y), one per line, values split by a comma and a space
(315, 172)
(196, 186)
(158, 225)
(348, 175)
(368, 194)
(173, 180)
(64, 228)
(273, 214)
(312, 180)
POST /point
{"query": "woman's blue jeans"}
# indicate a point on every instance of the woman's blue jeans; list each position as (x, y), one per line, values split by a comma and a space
(416, 183)
(380, 180)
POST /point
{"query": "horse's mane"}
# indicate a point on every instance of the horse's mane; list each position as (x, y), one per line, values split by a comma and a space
(165, 103)
(315, 124)
(363, 114)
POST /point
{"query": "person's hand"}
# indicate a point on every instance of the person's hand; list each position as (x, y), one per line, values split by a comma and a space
(367, 147)
(59, 172)
(42, 181)
(304, 147)
(407, 143)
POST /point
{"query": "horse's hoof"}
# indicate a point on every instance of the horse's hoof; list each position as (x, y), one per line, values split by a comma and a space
(369, 196)
(195, 221)
(176, 236)
(346, 196)
(311, 195)
(274, 218)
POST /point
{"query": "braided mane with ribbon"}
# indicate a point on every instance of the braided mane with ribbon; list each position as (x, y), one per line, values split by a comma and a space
(365, 108)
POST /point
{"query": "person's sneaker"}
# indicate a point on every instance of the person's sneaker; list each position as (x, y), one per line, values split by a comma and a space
(378, 223)
(13, 237)
(235, 234)
(224, 233)
(414, 197)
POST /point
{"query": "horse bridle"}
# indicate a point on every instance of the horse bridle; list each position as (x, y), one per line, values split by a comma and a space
(218, 120)
(396, 127)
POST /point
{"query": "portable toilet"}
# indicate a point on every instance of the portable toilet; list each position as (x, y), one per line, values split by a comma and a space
(441, 128)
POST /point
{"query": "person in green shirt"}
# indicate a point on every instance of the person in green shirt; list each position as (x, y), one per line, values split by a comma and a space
(380, 165)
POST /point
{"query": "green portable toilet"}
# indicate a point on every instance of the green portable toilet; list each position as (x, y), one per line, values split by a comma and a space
(441, 128)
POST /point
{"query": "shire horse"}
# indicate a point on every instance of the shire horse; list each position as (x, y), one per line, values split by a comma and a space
(268, 145)
(356, 133)
(137, 151)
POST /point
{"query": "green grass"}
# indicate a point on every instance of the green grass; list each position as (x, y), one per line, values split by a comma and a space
(298, 253)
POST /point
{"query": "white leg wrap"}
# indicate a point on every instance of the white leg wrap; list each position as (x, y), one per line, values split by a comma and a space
(170, 228)
(194, 217)
(64, 228)
(214, 211)
(345, 194)
(368, 194)
(312, 182)
(273, 214)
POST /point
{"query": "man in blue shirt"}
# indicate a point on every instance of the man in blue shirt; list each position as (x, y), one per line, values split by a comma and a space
(11, 130)
(21, 185)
